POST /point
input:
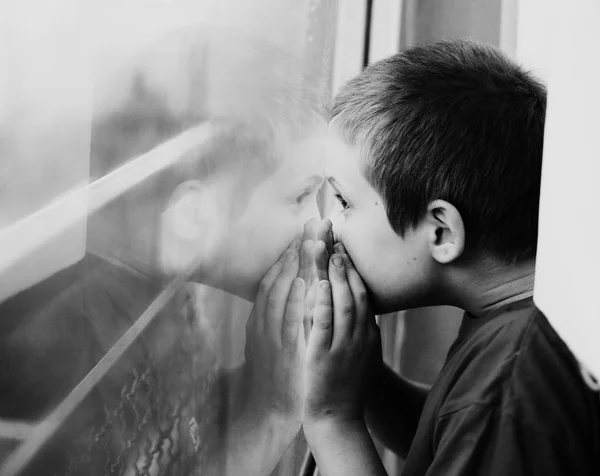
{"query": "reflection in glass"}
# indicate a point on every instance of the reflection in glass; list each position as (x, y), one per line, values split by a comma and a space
(204, 146)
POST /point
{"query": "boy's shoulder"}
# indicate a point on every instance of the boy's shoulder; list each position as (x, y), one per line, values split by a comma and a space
(509, 389)
(511, 362)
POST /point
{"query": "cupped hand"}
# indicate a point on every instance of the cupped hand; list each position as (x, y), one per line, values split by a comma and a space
(344, 349)
(275, 345)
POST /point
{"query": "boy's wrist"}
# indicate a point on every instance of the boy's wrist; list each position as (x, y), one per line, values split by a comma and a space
(326, 426)
(272, 425)
(343, 446)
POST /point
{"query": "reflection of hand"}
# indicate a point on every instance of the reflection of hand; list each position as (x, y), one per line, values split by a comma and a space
(314, 268)
(306, 270)
(324, 233)
(274, 343)
(344, 346)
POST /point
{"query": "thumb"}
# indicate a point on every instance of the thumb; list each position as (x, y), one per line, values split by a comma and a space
(251, 322)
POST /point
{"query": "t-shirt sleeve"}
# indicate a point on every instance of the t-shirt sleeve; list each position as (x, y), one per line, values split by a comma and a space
(482, 439)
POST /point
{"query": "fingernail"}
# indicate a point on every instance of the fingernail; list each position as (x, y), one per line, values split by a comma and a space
(338, 248)
(324, 285)
(290, 256)
(338, 261)
(320, 245)
(309, 243)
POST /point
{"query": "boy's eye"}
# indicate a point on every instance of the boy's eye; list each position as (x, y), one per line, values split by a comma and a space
(342, 201)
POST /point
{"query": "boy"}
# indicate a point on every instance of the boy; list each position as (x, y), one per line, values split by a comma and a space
(436, 168)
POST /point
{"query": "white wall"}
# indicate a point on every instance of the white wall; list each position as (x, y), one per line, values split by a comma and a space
(559, 41)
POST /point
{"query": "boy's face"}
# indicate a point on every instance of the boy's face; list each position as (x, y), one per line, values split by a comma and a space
(273, 217)
(395, 269)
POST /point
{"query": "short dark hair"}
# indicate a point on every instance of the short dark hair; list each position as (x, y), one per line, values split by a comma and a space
(458, 121)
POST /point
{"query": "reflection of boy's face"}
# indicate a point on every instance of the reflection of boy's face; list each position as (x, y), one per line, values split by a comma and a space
(274, 216)
(393, 268)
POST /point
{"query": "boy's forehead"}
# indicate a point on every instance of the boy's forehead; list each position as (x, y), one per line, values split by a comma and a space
(342, 159)
(345, 171)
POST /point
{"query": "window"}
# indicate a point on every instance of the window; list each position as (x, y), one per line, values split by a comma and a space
(146, 147)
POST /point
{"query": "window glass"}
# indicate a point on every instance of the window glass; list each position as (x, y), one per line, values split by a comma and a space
(158, 157)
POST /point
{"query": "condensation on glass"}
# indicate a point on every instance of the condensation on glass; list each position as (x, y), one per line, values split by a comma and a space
(115, 342)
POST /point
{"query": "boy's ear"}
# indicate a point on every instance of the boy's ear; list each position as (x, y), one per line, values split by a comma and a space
(189, 225)
(447, 240)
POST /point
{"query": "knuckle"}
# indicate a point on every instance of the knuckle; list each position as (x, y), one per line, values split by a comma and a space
(348, 309)
(294, 299)
(272, 304)
(263, 289)
(338, 277)
(323, 323)
(362, 297)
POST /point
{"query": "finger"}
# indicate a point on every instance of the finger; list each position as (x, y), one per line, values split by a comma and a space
(374, 333)
(266, 284)
(251, 322)
(308, 323)
(309, 306)
(321, 260)
(269, 278)
(311, 294)
(321, 333)
(307, 261)
(310, 229)
(323, 230)
(373, 326)
(278, 296)
(343, 303)
(325, 234)
(294, 313)
(359, 294)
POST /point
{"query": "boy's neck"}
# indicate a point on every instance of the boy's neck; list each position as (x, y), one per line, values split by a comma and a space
(491, 289)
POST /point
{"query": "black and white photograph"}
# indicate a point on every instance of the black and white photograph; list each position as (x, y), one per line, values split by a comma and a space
(299, 238)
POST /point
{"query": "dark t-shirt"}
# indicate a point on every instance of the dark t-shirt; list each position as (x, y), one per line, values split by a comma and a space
(149, 410)
(510, 400)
